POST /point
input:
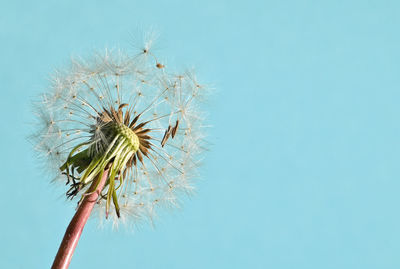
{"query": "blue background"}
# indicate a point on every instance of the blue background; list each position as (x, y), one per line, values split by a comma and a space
(303, 171)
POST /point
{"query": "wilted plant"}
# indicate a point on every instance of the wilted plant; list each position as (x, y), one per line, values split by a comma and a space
(123, 133)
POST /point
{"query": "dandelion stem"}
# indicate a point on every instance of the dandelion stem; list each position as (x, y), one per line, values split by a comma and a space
(75, 228)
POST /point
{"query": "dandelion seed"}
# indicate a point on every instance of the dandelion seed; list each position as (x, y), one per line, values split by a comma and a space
(120, 130)
(160, 66)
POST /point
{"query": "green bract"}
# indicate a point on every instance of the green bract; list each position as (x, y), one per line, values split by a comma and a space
(124, 144)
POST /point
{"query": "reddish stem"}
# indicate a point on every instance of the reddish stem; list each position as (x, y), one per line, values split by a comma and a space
(75, 227)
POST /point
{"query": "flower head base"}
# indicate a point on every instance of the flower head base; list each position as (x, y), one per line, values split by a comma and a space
(129, 116)
(121, 144)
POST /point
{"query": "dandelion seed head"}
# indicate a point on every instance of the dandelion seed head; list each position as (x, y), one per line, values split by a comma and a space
(130, 115)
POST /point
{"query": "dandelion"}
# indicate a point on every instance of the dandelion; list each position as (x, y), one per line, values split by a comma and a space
(124, 133)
